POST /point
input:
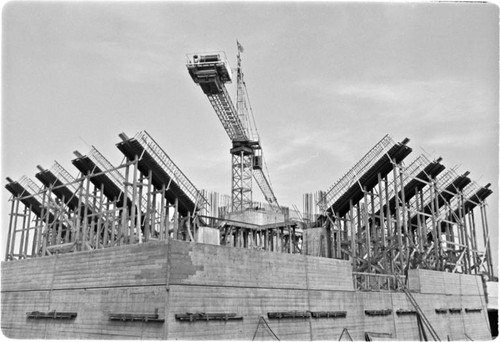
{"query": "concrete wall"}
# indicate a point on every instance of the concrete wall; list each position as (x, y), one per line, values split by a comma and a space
(176, 277)
(260, 217)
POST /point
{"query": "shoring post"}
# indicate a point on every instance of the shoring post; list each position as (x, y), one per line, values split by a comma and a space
(124, 229)
(488, 244)
(367, 231)
(70, 226)
(472, 226)
(463, 219)
(45, 236)
(372, 216)
(85, 211)
(139, 219)
(36, 237)
(449, 232)
(23, 230)
(360, 237)
(25, 253)
(113, 224)
(437, 230)
(163, 215)
(100, 226)
(77, 218)
(472, 223)
(92, 218)
(59, 230)
(9, 234)
(398, 221)
(40, 229)
(133, 223)
(381, 215)
(389, 223)
(432, 194)
(353, 234)
(419, 234)
(149, 214)
(405, 215)
(339, 235)
(153, 225)
(176, 218)
(105, 224)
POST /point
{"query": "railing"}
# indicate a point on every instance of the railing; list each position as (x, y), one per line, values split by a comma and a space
(64, 176)
(377, 282)
(339, 188)
(171, 168)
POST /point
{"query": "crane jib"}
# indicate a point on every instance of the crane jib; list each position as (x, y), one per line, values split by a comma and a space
(210, 71)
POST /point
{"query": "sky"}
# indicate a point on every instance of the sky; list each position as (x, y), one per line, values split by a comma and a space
(326, 80)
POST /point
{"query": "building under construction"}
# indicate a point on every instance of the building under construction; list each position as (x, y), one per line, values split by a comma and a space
(398, 248)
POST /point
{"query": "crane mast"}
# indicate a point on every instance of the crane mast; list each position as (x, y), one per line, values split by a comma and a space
(211, 71)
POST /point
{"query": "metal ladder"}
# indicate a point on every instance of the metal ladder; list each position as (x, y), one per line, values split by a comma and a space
(420, 315)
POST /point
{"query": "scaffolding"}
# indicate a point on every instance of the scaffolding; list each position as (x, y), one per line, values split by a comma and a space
(383, 215)
(104, 206)
(388, 217)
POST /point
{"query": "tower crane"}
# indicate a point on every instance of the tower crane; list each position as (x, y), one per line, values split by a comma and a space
(211, 71)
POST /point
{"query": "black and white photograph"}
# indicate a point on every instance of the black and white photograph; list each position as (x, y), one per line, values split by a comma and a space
(250, 170)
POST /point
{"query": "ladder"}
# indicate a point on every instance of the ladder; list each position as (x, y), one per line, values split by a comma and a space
(420, 314)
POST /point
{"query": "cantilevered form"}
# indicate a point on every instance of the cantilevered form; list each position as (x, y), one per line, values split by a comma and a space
(153, 160)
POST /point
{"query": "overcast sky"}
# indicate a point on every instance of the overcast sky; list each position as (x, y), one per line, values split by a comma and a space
(326, 82)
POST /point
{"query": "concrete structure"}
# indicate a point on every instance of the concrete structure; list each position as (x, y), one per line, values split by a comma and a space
(175, 278)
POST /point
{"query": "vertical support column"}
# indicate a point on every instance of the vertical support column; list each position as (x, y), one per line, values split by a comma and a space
(23, 232)
(359, 242)
(353, 234)
(123, 237)
(381, 218)
(405, 215)
(106, 224)
(463, 219)
(474, 248)
(13, 237)
(60, 225)
(28, 233)
(373, 229)
(433, 192)
(389, 223)
(398, 221)
(101, 212)
(340, 236)
(36, 237)
(176, 218)
(133, 223)
(85, 212)
(163, 215)
(45, 236)
(113, 224)
(420, 239)
(139, 228)
(486, 237)
(11, 228)
(367, 232)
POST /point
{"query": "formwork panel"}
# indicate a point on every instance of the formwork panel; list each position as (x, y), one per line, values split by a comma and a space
(15, 305)
(204, 264)
(92, 306)
(28, 274)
